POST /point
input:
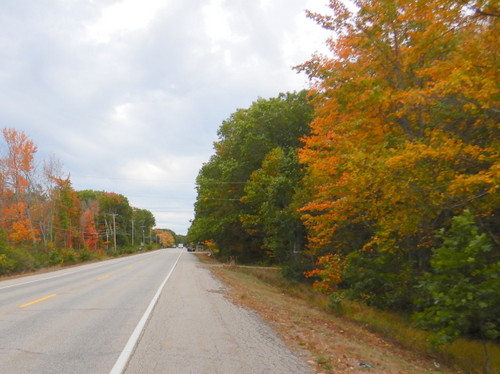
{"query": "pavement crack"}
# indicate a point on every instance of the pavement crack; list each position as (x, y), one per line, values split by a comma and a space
(10, 350)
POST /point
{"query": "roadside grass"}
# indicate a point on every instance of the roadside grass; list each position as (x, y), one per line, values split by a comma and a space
(21, 262)
(343, 338)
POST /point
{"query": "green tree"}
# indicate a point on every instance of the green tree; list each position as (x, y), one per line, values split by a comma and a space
(143, 223)
(244, 141)
(269, 196)
(461, 293)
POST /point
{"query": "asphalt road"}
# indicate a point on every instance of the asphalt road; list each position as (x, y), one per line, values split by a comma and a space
(77, 320)
(159, 312)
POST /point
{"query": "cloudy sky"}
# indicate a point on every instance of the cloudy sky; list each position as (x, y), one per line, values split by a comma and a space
(129, 94)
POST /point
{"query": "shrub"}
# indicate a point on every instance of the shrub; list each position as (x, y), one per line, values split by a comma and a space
(383, 279)
(460, 296)
(55, 257)
(17, 260)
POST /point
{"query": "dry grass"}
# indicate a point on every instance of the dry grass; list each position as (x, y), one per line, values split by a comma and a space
(332, 344)
(336, 343)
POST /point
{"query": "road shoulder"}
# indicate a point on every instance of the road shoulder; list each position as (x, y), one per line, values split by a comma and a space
(196, 329)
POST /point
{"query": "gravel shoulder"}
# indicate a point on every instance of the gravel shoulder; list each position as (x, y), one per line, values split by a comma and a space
(195, 328)
(336, 345)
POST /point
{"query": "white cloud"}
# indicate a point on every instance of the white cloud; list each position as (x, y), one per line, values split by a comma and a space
(122, 18)
(129, 94)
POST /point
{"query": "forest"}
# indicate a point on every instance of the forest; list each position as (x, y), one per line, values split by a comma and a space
(45, 222)
(380, 182)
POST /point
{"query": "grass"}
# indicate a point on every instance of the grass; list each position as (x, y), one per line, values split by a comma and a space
(338, 343)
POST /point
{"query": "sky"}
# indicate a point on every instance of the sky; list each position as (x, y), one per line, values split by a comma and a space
(128, 95)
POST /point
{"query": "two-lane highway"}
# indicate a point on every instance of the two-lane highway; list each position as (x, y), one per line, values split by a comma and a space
(78, 320)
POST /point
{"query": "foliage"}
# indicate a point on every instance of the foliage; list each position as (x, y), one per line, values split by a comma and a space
(329, 271)
(165, 237)
(380, 278)
(67, 217)
(403, 139)
(269, 195)
(16, 174)
(228, 206)
(46, 222)
(405, 121)
(461, 293)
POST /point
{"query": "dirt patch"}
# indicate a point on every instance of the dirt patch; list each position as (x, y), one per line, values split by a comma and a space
(336, 345)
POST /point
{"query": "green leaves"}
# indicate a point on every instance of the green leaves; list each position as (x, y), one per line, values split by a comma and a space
(245, 188)
(461, 293)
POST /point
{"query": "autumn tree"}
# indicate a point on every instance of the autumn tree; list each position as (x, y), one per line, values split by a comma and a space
(17, 190)
(165, 237)
(404, 136)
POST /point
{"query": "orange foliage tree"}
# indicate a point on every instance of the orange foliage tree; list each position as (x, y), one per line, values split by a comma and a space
(406, 117)
(165, 237)
(89, 233)
(16, 192)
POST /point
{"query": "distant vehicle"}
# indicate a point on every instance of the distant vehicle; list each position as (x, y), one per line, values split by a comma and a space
(189, 249)
(180, 245)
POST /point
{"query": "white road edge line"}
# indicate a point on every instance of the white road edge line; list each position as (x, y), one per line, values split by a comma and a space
(122, 361)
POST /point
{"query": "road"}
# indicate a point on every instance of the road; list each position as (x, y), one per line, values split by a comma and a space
(77, 320)
(157, 312)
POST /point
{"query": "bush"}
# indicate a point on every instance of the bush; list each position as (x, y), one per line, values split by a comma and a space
(16, 260)
(68, 256)
(85, 255)
(383, 279)
(55, 257)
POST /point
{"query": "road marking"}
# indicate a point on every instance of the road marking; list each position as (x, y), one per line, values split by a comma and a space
(36, 301)
(103, 277)
(122, 361)
(128, 267)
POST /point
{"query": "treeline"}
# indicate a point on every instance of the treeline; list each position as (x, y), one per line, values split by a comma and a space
(385, 174)
(44, 221)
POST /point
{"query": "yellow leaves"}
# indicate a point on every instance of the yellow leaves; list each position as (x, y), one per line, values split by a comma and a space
(166, 238)
(472, 185)
(404, 132)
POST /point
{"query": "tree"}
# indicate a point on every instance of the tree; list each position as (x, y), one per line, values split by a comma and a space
(16, 187)
(166, 237)
(245, 139)
(399, 141)
(269, 195)
(403, 139)
(89, 233)
(67, 215)
(461, 293)
(144, 221)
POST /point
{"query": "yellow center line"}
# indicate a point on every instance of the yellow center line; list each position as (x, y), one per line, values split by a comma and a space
(128, 267)
(103, 277)
(36, 301)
